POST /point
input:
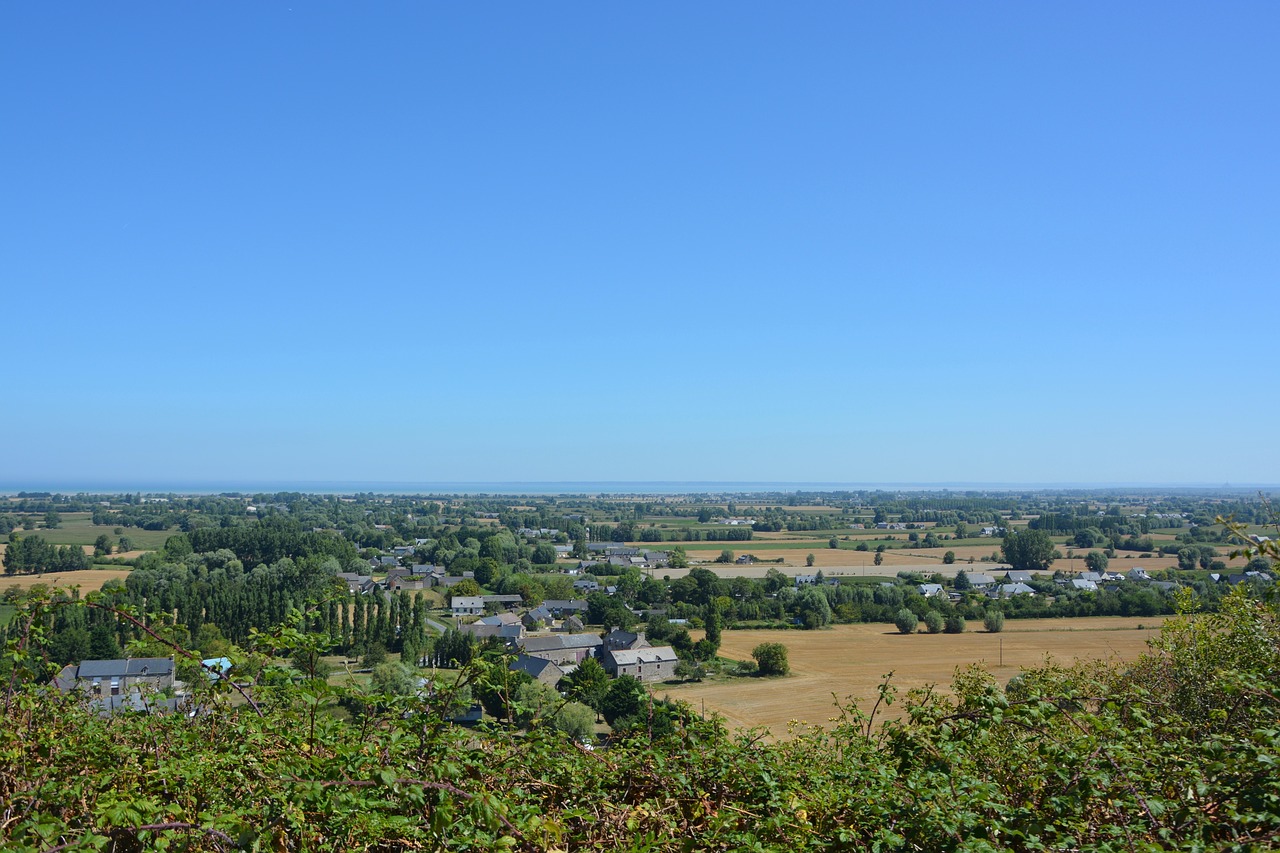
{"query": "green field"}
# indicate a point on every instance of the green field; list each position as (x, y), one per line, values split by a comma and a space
(77, 528)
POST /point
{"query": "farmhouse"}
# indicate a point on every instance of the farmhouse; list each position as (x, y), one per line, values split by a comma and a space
(620, 639)
(1009, 590)
(117, 676)
(508, 602)
(562, 649)
(539, 669)
(467, 605)
(656, 663)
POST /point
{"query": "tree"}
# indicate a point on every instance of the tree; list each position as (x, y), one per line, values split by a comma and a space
(962, 581)
(712, 636)
(812, 607)
(1028, 550)
(575, 720)
(102, 546)
(625, 697)
(1188, 558)
(879, 558)
(544, 554)
(771, 659)
(393, 679)
(52, 520)
(993, 621)
(588, 683)
(906, 620)
(375, 655)
(833, 543)
(678, 559)
(466, 586)
(949, 558)
(954, 624)
(1096, 561)
(726, 556)
(933, 622)
(808, 561)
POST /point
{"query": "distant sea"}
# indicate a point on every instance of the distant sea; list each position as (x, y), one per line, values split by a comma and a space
(573, 487)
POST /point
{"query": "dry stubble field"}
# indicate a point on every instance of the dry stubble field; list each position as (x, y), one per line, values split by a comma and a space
(88, 579)
(849, 660)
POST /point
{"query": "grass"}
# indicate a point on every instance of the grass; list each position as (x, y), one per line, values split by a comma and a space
(77, 528)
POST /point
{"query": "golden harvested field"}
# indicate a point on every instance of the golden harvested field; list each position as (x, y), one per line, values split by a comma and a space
(89, 579)
(849, 660)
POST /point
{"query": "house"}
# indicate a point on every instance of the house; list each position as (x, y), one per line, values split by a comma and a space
(1009, 590)
(507, 602)
(1084, 584)
(1017, 577)
(562, 649)
(118, 677)
(619, 639)
(991, 531)
(1137, 574)
(559, 607)
(980, 579)
(401, 584)
(539, 669)
(467, 605)
(652, 663)
(483, 629)
(358, 584)
(536, 618)
(571, 624)
(506, 617)
(931, 590)
(585, 585)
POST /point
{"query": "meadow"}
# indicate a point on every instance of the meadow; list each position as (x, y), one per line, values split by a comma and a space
(77, 528)
(851, 661)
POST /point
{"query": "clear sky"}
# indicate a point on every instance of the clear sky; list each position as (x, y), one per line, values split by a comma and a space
(839, 242)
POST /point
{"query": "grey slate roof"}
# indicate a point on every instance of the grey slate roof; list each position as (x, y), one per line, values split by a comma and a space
(653, 654)
(534, 667)
(121, 668)
(561, 641)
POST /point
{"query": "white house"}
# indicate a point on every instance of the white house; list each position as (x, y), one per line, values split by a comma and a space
(467, 605)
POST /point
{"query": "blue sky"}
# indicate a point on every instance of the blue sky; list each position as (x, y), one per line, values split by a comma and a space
(880, 242)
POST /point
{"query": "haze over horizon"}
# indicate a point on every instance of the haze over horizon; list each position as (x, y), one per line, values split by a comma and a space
(898, 244)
